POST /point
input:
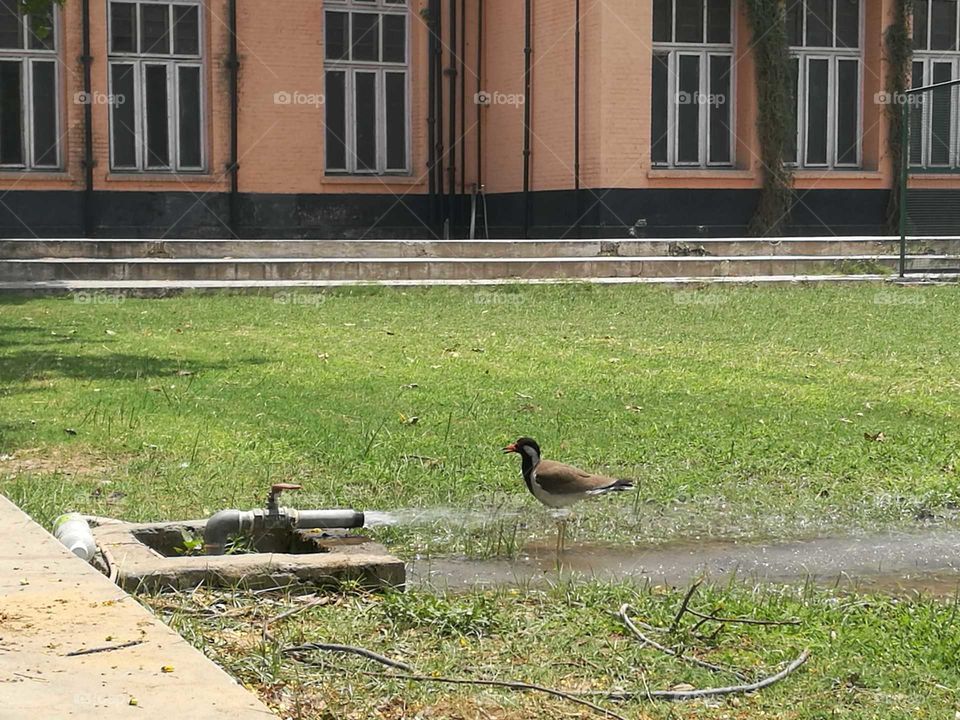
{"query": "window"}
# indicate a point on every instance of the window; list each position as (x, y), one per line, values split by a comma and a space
(156, 87)
(936, 58)
(692, 86)
(29, 81)
(825, 62)
(366, 96)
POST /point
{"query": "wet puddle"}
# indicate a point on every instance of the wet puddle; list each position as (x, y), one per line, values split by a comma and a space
(900, 563)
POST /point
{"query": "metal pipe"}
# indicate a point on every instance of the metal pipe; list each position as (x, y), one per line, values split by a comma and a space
(89, 224)
(431, 112)
(904, 173)
(463, 100)
(479, 75)
(228, 523)
(576, 115)
(527, 67)
(233, 63)
(452, 119)
(438, 109)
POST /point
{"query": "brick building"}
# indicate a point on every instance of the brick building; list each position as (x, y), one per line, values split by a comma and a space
(350, 118)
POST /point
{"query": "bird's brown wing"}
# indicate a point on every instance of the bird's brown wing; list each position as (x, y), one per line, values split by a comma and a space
(560, 479)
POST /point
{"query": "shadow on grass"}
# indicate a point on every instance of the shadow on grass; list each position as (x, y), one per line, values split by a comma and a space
(26, 365)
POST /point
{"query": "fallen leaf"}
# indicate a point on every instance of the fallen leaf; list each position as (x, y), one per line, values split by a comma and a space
(167, 669)
(184, 373)
(876, 437)
(70, 431)
(110, 332)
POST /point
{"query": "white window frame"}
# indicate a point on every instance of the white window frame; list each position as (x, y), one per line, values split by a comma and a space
(27, 58)
(928, 58)
(173, 62)
(833, 56)
(703, 50)
(380, 69)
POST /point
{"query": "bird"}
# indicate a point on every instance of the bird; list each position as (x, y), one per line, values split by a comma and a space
(558, 485)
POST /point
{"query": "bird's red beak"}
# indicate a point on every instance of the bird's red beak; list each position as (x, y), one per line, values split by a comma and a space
(512, 447)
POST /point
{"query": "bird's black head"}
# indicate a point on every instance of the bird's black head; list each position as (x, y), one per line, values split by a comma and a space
(519, 445)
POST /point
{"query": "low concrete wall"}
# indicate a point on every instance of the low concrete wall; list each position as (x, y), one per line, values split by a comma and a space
(52, 603)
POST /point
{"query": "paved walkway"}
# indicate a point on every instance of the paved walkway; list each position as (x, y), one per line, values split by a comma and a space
(52, 604)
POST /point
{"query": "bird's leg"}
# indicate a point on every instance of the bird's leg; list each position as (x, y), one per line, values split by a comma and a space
(561, 517)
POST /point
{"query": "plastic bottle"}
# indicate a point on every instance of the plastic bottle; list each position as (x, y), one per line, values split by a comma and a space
(74, 532)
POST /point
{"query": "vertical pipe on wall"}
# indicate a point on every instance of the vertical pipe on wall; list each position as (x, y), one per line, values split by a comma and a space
(527, 66)
(576, 115)
(452, 119)
(437, 19)
(233, 62)
(432, 112)
(88, 220)
(479, 76)
(463, 99)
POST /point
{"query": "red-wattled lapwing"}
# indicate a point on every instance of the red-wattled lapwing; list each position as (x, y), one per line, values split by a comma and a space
(557, 485)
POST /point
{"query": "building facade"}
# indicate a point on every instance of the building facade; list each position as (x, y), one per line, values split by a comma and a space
(385, 118)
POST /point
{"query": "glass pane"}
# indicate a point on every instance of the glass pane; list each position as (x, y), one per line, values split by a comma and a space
(817, 102)
(365, 113)
(396, 121)
(158, 129)
(155, 29)
(11, 114)
(719, 109)
(690, 21)
(920, 17)
(42, 35)
(790, 152)
(941, 114)
(11, 29)
(688, 110)
(659, 108)
(848, 105)
(123, 27)
(336, 109)
(335, 34)
(916, 117)
(848, 23)
(718, 21)
(819, 23)
(943, 25)
(123, 118)
(189, 117)
(795, 12)
(394, 38)
(662, 20)
(186, 30)
(366, 37)
(44, 114)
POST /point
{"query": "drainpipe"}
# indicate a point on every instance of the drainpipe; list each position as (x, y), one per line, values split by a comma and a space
(89, 223)
(576, 115)
(437, 18)
(452, 129)
(527, 55)
(479, 74)
(233, 64)
(463, 99)
(432, 112)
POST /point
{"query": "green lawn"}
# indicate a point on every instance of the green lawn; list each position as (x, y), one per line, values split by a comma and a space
(740, 412)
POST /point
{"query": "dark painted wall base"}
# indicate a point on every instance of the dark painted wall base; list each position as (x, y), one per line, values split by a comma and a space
(553, 214)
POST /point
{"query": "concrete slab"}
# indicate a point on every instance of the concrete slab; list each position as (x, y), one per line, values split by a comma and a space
(325, 559)
(52, 603)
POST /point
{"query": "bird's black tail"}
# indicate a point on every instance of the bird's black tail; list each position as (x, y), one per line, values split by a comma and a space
(618, 486)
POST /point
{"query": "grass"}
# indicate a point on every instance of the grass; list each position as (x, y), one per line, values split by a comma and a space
(739, 411)
(872, 657)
